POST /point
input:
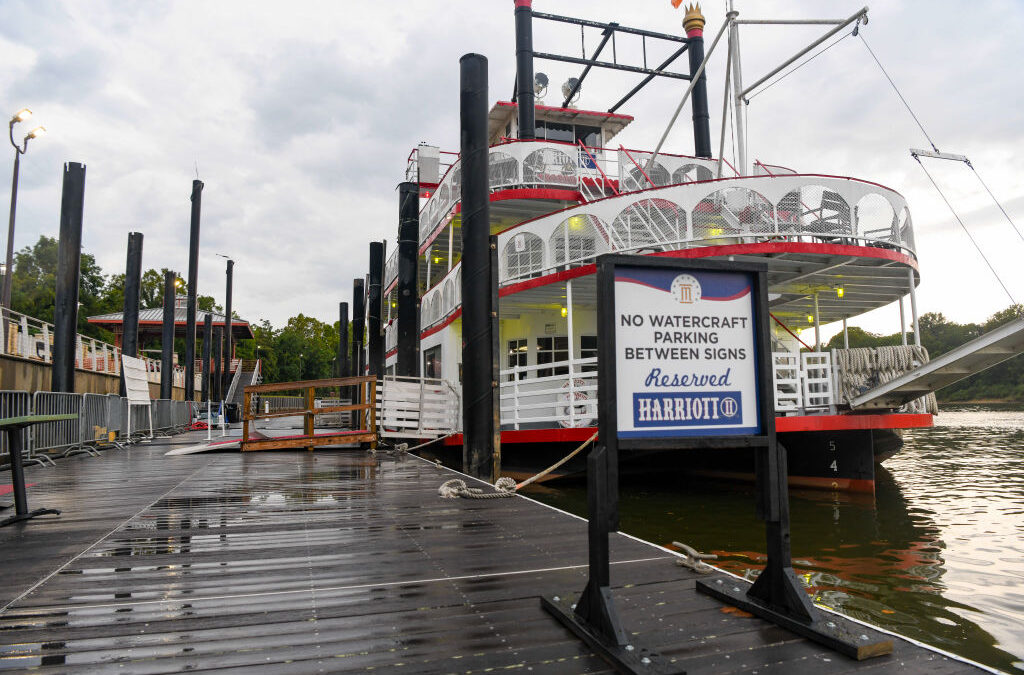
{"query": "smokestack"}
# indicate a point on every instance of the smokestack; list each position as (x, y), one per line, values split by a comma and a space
(693, 23)
(524, 70)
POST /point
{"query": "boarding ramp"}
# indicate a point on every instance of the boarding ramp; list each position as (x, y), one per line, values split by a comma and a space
(979, 354)
(417, 407)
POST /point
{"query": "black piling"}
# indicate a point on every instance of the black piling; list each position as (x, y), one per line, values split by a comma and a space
(408, 357)
(524, 70)
(375, 358)
(207, 343)
(69, 252)
(480, 454)
(343, 367)
(132, 284)
(217, 390)
(228, 344)
(694, 26)
(193, 284)
(358, 318)
(167, 338)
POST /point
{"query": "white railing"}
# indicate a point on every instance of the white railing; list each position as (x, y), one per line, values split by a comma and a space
(804, 383)
(234, 382)
(30, 338)
(807, 208)
(417, 407)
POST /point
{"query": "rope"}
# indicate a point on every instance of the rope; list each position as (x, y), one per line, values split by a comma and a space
(897, 90)
(816, 55)
(1007, 215)
(505, 486)
(457, 487)
(558, 463)
(969, 236)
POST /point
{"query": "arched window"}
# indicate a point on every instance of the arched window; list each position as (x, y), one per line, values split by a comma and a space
(815, 209)
(578, 239)
(638, 180)
(906, 230)
(648, 223)
(502, 169)
(449, 297)
(876, 219)
(524, 255)
(691, 173)
(548, 166)
(731, 212)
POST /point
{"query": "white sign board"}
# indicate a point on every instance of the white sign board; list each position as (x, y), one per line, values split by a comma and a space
(685, 356)
(136, 380)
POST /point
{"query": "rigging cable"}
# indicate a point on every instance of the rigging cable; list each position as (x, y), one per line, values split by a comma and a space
(1007, 215)
(897, 90)
(816, 55)
(969, 236)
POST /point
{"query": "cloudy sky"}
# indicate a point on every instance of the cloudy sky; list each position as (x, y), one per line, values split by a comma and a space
(299, 118)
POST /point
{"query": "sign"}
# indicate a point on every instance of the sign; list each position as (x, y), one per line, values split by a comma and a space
(686, 356)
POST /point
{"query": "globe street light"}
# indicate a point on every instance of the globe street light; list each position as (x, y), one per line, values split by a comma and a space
(20, 116)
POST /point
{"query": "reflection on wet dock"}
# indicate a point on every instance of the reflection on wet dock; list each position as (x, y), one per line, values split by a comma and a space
(339, 561)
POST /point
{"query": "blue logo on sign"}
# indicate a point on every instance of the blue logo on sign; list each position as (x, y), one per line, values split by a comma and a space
(686, 409)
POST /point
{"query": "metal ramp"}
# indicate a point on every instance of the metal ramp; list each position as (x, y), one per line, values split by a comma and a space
(979, 354)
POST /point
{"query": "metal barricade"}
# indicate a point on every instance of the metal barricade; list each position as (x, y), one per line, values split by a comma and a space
(93, 422)
(16, 404)
(140, 419)
(115, 419)
(56, 436)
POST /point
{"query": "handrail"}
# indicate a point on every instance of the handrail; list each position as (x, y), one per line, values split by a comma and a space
(623, 149)
(234, 382)
(598, 167)
(366, 391)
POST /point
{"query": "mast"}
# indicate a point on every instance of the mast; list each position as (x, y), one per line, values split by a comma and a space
(737, 87)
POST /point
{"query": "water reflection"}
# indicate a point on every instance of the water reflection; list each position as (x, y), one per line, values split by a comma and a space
(937, 555)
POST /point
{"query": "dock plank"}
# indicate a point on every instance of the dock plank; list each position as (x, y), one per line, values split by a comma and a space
(339, 561)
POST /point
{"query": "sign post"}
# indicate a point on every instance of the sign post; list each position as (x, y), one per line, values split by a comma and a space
(684, 363)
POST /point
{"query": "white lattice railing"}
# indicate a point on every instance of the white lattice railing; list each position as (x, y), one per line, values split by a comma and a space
(417, 407)
(749, 209)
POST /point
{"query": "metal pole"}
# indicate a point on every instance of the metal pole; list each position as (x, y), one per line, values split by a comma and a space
(343, 368)
(477, 352)
(817, 324)
(228, 350)
(132, 284)
(218, 337)
(695, 78)
(846, 336)
(358, 323)
(69, 254)
(737, 87)
(913, 307)
(408, 360)
(193, 286)
(524, 70)
(375, 358)
(694, 27)
(167, 338)
(725, 105)
(572, 353)
(9, 260)
(207, 344)
(903, 323)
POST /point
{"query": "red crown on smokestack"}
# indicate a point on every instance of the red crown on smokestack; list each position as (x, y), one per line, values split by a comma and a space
(693, 21)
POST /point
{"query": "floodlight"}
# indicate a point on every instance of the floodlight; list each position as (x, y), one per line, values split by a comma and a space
(21, 115)
(540, 84)
(570, 84)
(36, 133)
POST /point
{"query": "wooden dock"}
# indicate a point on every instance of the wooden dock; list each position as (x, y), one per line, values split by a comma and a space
(341, 561)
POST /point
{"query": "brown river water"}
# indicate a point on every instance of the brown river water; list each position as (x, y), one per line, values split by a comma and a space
(937, 555)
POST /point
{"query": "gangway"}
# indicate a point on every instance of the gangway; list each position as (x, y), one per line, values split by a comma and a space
(972, 357)
(417, 407)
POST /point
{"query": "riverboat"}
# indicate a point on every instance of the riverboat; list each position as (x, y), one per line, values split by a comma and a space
(564, 192)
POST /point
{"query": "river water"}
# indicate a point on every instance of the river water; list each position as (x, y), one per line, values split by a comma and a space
(937, 554)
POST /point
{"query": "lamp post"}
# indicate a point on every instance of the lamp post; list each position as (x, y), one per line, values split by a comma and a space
(20, 116)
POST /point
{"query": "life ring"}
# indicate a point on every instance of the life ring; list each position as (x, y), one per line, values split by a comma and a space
(582, 412)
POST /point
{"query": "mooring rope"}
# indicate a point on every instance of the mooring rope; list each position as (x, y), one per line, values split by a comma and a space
(505, 486)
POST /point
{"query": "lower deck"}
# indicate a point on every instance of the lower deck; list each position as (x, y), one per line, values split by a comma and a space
(340, 561)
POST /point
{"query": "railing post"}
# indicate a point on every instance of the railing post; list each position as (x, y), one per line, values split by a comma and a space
(373, 413)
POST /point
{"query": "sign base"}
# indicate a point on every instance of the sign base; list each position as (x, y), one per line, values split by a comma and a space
(835, 632)
(623, 658)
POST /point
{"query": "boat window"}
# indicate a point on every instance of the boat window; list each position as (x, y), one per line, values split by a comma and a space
(517, 356)
(432, 362)
(552, 350)
(559, 132)
(524, 255)
(588, 350)
(591, 136)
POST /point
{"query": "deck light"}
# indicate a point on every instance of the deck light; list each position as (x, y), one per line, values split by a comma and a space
(810, 318)
(436, 260)
(21, 116)
(840, 292)
(565, 312)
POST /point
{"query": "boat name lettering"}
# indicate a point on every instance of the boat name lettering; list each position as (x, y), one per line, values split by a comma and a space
(685, 408)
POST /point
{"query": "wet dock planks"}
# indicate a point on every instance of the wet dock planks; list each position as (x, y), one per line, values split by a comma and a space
(340, 561)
